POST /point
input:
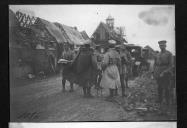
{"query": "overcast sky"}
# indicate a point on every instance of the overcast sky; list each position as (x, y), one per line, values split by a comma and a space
(144, 24)
(96, 125)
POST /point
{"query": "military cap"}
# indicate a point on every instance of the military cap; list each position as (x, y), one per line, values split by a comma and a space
(162, 42)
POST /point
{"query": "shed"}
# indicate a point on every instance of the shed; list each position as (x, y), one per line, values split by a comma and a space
(51, 28)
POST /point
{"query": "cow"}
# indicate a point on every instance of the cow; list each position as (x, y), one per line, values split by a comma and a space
(67, 57)
(66, 67)
(82, 70)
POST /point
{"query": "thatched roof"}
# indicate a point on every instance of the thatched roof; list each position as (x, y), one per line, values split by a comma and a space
(52, 29)
(85, 35)
(55, 31)
(72, 35)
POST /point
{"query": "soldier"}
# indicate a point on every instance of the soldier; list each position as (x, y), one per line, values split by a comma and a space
(163, 65)
(123, 69)
(128, 64)
(111, 78)
(98, 58)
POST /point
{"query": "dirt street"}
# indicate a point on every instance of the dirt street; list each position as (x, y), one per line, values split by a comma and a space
(43, 101)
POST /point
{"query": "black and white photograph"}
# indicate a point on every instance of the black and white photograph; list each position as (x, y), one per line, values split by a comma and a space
(89, 62)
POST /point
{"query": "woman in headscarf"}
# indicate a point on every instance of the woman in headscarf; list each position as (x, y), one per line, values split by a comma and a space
(111, 62)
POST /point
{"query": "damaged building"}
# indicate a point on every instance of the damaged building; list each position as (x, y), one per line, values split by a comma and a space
(37, 45)
(107, 31)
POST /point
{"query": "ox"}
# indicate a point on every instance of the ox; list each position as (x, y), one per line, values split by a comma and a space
(82, 71)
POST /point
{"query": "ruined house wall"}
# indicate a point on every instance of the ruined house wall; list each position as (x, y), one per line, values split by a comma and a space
(24, 61)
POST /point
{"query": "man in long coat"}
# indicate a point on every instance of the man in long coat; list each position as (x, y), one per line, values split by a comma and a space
(85, 68)
(111, 77)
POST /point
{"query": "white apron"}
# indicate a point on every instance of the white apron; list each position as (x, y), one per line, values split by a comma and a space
(111, 77)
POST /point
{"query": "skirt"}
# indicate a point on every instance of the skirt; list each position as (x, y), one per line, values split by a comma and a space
(111, 78)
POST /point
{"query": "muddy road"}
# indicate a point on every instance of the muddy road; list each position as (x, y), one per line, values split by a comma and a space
(44, 101)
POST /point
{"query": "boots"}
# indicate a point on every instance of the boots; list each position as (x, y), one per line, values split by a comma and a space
(89, 92)
(123, 92)
(63, 85)
(84, 91)
(111, 93)
(71, 87)
(116, 92)
(110, 97)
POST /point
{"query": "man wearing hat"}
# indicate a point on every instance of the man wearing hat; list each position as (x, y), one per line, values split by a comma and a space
(163, 64)
(123, 69)
(111, 77)
(98, 58)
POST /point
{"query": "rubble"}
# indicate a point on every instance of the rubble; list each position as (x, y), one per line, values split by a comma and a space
(140, 96)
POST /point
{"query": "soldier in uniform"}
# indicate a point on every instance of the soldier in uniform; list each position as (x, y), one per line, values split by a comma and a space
(111, 77)
(98, 58)
(123, 67)
(128, 63)
(163, 65)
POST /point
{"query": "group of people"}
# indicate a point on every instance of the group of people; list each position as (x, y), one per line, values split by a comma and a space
(113, 69)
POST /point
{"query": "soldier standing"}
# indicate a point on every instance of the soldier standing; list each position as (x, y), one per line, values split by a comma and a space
(128, 63)
(98, 58)
(163, 65)
(123, 69)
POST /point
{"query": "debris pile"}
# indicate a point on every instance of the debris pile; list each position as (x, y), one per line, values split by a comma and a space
(141, 96)
(141, 99)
